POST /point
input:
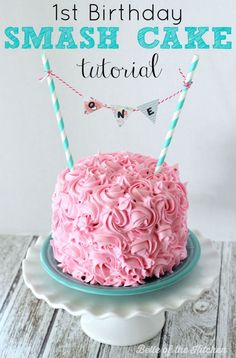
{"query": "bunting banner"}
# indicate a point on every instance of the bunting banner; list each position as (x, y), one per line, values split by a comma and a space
(121, 114)
(91, 105)
(149, 109)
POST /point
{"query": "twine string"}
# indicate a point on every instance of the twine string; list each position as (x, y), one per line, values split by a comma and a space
(65, 83)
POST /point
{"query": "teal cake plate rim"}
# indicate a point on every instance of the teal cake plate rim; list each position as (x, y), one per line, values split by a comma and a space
(50, 265)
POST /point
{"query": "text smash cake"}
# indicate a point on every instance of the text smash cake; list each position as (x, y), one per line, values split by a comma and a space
(116, 223)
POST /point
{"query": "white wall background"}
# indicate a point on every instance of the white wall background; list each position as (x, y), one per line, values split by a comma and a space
(31, 153)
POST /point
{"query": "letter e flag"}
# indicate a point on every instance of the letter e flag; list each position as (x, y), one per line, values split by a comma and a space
(150, 109)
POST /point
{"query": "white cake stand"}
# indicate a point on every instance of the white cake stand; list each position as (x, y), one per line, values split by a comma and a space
(125, 320)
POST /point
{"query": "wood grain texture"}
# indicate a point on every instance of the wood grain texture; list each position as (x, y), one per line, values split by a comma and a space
(193, 327)
(24, 320)
(30, 328)
(12, 251)
(68, 340)
(24, 324)
(226, 324)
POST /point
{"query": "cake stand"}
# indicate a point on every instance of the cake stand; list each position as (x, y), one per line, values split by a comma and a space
(125, 320)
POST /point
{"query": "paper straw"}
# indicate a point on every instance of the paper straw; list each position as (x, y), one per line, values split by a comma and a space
(177, 112)
(56, 107)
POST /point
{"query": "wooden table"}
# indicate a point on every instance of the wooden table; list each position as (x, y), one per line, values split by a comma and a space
(30, 328)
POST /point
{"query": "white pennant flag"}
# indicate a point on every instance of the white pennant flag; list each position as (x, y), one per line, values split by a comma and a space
(121, 114)
(149, 109)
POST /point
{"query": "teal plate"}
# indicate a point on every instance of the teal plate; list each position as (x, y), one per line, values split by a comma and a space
(50, 265)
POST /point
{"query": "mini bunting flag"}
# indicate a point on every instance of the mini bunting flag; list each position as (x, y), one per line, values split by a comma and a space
(121, 114)
(149, 109)
(92, 105)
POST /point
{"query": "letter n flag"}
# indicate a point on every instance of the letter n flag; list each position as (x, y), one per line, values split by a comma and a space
(121, 114)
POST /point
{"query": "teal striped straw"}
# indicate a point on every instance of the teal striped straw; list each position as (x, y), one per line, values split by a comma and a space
(177, 112)
(56, 107)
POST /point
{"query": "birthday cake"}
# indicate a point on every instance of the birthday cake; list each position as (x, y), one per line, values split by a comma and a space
(116, 222)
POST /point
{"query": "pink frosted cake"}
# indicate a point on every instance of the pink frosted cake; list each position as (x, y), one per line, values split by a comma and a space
(115, 223)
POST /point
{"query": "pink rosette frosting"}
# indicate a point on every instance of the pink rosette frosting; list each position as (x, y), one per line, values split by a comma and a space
(116, 223)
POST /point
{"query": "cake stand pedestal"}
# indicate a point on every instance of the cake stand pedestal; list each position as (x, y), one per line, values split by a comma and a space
(123, 320)
(121, 331)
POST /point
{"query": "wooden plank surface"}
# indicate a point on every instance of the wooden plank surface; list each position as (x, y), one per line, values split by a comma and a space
(12, 251)
(24, 324)
(68, 340)
(24, 320)
(193, 327)
(226, 325)
(192, 330)
(30, 328)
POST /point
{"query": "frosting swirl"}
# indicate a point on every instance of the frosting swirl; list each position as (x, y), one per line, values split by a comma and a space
(116, 223)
